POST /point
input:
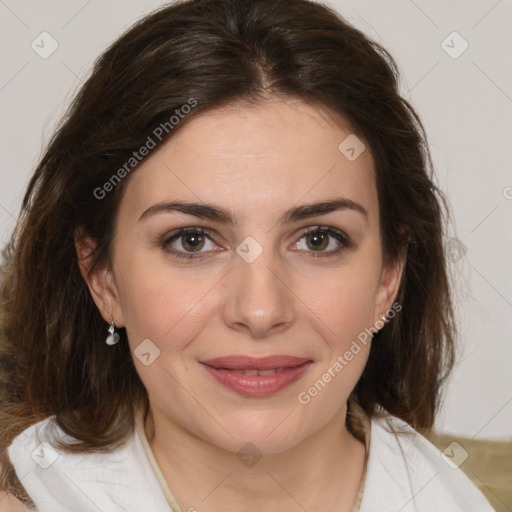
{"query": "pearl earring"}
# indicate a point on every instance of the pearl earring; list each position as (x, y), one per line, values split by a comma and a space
(113, 336)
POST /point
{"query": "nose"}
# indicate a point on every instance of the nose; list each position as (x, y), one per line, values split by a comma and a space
(259, 300)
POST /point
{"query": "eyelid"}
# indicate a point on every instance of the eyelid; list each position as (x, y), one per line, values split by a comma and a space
(177, 233)
(326, 229)
(343, 239)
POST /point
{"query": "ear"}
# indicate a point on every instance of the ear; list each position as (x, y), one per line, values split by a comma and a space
(100, 281)
(389, 284)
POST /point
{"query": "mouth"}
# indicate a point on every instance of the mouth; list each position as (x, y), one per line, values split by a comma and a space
(272, 371)
(257, 377)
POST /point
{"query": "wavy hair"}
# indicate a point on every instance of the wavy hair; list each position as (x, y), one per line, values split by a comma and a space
(53, 357)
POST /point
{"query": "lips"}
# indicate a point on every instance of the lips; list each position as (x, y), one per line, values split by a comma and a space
(257, 377)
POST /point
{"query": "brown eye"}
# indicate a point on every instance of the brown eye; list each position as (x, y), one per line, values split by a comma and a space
(192, 241)
(317, 240)
(187, 241)
(323, 241)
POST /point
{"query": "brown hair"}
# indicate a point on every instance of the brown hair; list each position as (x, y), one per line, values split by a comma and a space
(54, 360)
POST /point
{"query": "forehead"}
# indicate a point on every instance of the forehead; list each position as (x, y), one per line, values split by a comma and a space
(254, 158)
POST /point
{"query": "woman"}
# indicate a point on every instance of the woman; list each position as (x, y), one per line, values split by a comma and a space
(227, 289)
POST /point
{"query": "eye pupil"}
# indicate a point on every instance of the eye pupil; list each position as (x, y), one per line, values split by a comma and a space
(318, 240)
(191, 241)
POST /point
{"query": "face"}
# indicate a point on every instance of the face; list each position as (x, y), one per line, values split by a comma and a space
(280, 258)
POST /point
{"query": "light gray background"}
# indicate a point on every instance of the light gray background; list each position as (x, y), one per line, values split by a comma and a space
(465, 103)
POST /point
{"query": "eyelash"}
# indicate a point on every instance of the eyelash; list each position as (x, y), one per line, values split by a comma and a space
(326, 230)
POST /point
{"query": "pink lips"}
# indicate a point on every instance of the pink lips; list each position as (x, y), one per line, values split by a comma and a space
(252, 376)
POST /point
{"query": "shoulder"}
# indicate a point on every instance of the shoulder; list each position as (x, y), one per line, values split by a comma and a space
(22, 442)
(406, 471)
(116, 479)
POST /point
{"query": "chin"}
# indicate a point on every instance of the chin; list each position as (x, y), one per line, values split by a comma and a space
(263, 432)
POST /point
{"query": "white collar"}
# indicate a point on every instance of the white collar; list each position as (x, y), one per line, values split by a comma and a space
(404, 472)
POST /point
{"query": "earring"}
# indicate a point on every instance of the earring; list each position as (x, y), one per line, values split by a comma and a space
(113, 336)
(383, 318)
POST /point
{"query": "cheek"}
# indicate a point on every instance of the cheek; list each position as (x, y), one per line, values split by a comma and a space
(343, 317)
(161, 302)
(343, 301)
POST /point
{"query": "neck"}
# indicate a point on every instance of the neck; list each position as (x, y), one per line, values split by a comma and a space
(324, 471)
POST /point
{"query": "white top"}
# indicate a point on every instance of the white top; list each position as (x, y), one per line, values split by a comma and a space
(404, 472)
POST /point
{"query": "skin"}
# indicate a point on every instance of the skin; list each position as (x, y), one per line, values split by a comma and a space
(9, 503)
(257, 162)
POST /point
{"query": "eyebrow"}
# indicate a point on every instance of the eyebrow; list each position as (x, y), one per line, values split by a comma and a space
(224, 216)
